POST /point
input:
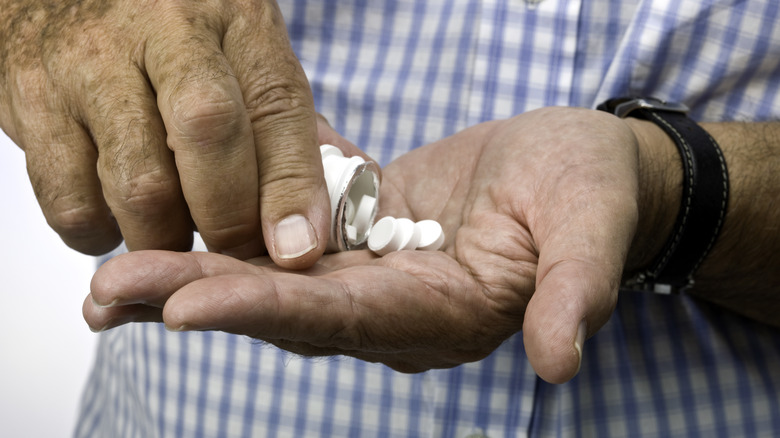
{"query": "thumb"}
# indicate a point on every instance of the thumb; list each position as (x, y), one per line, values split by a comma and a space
(294, 205)
(578, 277)
(294, 202)
(571, 302)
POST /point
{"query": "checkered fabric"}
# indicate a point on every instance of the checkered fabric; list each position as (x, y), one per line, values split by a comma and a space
(392, 75)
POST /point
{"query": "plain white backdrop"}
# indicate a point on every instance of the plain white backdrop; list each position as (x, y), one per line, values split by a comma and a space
(46, 348)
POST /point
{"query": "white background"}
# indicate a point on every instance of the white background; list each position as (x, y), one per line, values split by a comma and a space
(46, 349)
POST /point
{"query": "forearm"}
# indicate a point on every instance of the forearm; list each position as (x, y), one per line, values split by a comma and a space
(742, 272)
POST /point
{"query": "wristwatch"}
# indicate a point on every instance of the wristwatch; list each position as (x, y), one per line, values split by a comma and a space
(704, 198)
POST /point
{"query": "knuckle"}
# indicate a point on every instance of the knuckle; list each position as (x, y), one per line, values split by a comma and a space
(285, 192)
(288, 172)
(274, 99)
(206, 117)
(143, 194)
(289, 162)
(75, 222)
(129, 133)
(279, 94)
(83, 227)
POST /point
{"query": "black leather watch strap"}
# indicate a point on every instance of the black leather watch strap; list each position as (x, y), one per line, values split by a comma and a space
(704, 197)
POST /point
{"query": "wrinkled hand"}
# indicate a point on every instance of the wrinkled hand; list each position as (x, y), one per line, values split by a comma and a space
(147, 119)
(539, 213)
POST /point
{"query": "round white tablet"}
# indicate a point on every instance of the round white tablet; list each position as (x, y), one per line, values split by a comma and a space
(410, 235)
(431, 235)
(384, 238)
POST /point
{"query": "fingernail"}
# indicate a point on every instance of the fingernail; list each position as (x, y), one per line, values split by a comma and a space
(181, 328)
(294, 236)
(109, 325)
(105, 306)
(98, 330)
(579, 341)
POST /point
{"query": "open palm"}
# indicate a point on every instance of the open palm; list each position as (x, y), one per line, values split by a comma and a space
(538, 210)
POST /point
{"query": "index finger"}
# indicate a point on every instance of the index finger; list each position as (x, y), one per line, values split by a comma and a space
(202, 106)
(151, 277)
(359, 308)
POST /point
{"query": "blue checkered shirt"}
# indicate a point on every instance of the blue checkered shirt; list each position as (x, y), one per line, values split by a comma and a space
(392, 75)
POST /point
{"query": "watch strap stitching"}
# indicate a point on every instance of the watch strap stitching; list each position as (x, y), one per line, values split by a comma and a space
(697, 172)
(723, 204)
(688, 187)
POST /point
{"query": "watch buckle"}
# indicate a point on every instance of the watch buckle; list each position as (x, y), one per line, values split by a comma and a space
(623, 109)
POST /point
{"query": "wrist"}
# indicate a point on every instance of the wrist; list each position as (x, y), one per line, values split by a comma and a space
(660, 193)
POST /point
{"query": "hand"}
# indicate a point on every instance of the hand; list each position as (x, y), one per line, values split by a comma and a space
(148, 119)
(539, 212)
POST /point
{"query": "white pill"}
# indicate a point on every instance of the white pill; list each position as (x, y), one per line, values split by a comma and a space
(384, 237)
(349, 211)
(364, 213)
(351, 234)
(410, 235)
(431, 235)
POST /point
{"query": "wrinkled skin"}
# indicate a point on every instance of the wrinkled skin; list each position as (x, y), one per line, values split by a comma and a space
(147, 119)
(539, 212)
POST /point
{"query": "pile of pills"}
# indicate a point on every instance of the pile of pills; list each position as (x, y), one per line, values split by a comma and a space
(390, 234)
